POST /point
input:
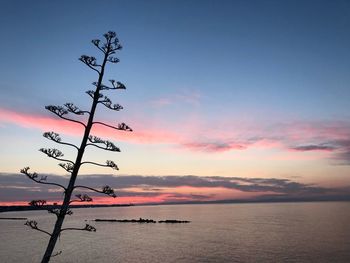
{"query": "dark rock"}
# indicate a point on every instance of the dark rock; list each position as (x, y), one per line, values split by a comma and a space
(173, 221)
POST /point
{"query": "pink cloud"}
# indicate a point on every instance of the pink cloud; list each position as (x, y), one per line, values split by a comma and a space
(316, 129)
(36, 121)
(213, 146)
(185, 96)
(161, 102)
(195, 134)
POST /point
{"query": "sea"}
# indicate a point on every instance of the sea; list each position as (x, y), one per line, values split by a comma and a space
(251, 232)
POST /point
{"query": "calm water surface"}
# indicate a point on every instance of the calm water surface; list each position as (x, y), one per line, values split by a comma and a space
(275, 232)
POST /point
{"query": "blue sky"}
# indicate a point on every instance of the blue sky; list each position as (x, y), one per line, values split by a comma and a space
(221, 88)
(268, 56)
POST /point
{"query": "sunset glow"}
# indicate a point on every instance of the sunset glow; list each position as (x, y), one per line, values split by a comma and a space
(222, 107)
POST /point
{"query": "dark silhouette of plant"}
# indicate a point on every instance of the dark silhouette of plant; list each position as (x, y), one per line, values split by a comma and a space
(108, 47)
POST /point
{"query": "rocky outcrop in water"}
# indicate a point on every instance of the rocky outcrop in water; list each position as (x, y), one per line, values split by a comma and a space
(142, 220)
(172, 221)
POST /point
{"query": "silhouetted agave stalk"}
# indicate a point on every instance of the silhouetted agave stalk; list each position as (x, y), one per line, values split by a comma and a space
(108, 47)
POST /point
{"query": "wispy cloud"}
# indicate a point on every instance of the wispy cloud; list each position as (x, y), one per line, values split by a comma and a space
(340, 150)
(189, 97)
(330, 137)
(314, 147)
(45, 123)
(213, 146)
(342, 156)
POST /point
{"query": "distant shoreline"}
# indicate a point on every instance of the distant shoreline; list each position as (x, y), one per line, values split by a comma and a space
(15, 208)
(296, 200)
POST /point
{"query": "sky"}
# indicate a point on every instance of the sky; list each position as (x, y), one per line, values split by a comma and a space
(228, 100)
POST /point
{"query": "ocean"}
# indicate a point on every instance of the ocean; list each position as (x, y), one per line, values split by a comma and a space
(254, 232)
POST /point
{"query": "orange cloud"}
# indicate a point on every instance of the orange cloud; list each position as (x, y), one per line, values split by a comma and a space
(131, 199)
(161, 198)
(24, 203)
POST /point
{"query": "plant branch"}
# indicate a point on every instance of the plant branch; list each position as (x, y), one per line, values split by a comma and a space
(55, 154)
(40, 204)
(109, 146)
(56, 138)
(91, 93)
(109, 163)
(115, 85)
(87, 227)
(74, 109)
(90, 62)
(121, 126)
(56, 254)
(108, 104)
(96, 42)
(34, 177)
(34, 225)
(107, 190)
(60, 111)
(67, 166)
(82, 198)
(103, 148)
